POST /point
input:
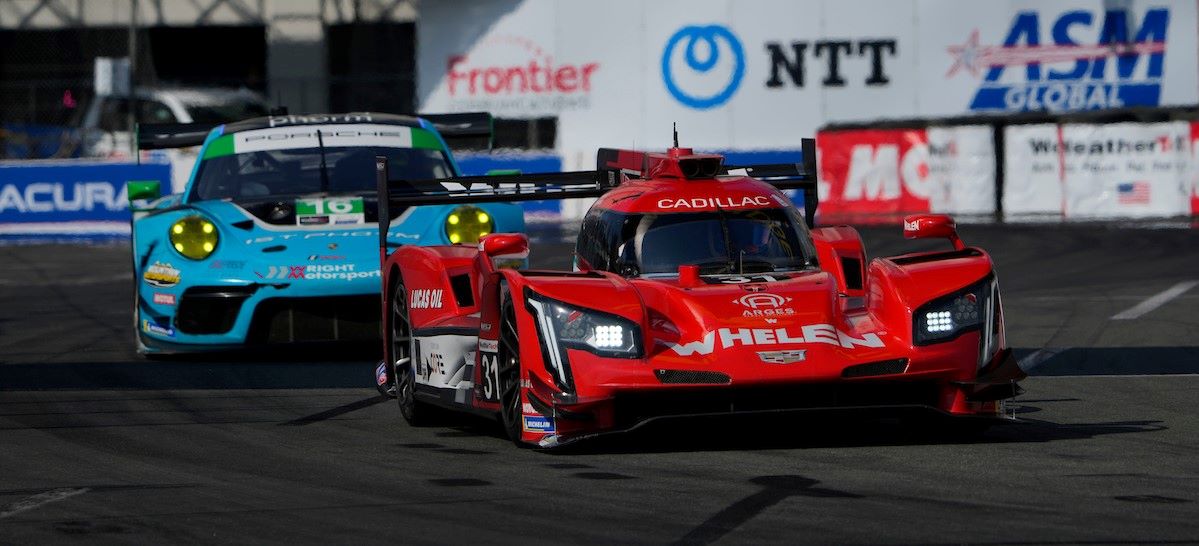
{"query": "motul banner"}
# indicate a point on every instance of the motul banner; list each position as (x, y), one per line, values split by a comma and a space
(900, 171)
(1119, 170)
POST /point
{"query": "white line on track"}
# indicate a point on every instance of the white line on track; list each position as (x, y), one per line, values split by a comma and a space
(1155, 301)
(40, 499)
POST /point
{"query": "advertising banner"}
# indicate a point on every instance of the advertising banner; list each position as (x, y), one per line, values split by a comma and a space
(61, 197)
(900, 171)
(1119, 170)
(762, 74)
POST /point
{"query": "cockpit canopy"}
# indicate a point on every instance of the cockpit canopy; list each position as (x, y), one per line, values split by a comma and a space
(718, 241)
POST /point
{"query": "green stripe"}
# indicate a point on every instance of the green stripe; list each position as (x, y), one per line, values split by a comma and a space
(425, 139)
(221, 146)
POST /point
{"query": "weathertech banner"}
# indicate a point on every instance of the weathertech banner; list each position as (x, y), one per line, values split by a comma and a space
(900, 171)
(1119, 170)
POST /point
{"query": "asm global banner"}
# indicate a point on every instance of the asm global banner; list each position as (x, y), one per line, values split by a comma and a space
(762, 74)
(1122, 170)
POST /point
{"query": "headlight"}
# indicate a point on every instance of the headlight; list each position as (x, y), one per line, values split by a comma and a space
(562, 325)
(467, 223)
(194, 237)
(947, 317)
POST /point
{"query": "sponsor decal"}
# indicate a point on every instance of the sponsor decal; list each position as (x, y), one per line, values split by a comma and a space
(782, 357)
(763, 304)
(278, 121)
(153, 328)
(914, 225)
(381, 374)
(538, 423)
(434, 363)
(702, 66)
(427, 298)
(160, 298)
(715, 202)
(315, 235)
(749, 337)
(540, 83)
(745, 279)
(489, 345)
(330, 210)
(227, 264)
(161, 274)
(1122, 67)
(491, 376)
(485, 326)
(316, 272)
(326, 257)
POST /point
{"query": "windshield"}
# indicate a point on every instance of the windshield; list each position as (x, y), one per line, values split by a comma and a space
(722, 242)
(289, 172)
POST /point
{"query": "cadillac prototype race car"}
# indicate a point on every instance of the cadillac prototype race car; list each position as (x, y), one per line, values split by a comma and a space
(273, 240)
(698, 289)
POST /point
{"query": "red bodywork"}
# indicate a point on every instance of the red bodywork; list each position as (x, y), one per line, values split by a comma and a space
(835, 336)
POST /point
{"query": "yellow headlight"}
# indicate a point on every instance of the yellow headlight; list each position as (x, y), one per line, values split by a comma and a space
(466, 224)
(194, 237)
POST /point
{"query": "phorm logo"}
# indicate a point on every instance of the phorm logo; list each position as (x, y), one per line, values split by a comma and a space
(1122, 67)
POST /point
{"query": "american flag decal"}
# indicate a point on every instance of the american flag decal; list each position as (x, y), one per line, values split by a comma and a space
(1132, 193)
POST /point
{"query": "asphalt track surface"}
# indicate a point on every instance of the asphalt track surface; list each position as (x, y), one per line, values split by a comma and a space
(100, 446)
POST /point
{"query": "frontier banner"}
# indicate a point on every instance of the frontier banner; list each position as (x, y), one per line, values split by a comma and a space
(1121, 170)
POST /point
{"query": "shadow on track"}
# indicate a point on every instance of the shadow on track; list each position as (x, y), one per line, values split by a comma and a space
(302, 367)
(813, 430)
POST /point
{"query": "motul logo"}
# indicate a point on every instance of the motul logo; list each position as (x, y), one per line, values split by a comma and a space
(812, 333)
(876, 172)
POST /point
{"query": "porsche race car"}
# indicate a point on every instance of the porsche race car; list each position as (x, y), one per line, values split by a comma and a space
(698, 289)
(273, 239)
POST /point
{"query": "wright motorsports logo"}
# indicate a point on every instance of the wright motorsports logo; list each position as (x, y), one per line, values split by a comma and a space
(1122, 67)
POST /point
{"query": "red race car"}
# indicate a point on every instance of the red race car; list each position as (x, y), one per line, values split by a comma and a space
(698, 289)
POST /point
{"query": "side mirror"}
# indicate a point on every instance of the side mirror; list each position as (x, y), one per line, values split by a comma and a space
(505, 245)
(143, 189)
(932, 226)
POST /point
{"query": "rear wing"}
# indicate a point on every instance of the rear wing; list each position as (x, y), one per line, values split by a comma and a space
(396, 194)
(158, 136)
(467, 129)
(784, 176)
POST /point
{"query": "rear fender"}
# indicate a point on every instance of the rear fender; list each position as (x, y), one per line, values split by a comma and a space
(438, 281)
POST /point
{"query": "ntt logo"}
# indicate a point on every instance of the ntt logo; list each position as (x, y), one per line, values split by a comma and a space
(702, 66)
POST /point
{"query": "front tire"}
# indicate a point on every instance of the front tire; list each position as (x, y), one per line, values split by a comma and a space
(399, 339)
(509, 372)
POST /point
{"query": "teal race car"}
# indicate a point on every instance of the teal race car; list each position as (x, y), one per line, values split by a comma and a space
(275, 236)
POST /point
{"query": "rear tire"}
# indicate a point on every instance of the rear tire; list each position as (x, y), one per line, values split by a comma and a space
(403, 371)
(511, 401)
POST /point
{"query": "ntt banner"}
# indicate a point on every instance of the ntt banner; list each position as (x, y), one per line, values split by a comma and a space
(1120, 170)
(901, 171)
(74, 197)
(763, 74)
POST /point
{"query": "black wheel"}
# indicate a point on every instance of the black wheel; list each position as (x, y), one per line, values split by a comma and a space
(509, 371)
(402, 367)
